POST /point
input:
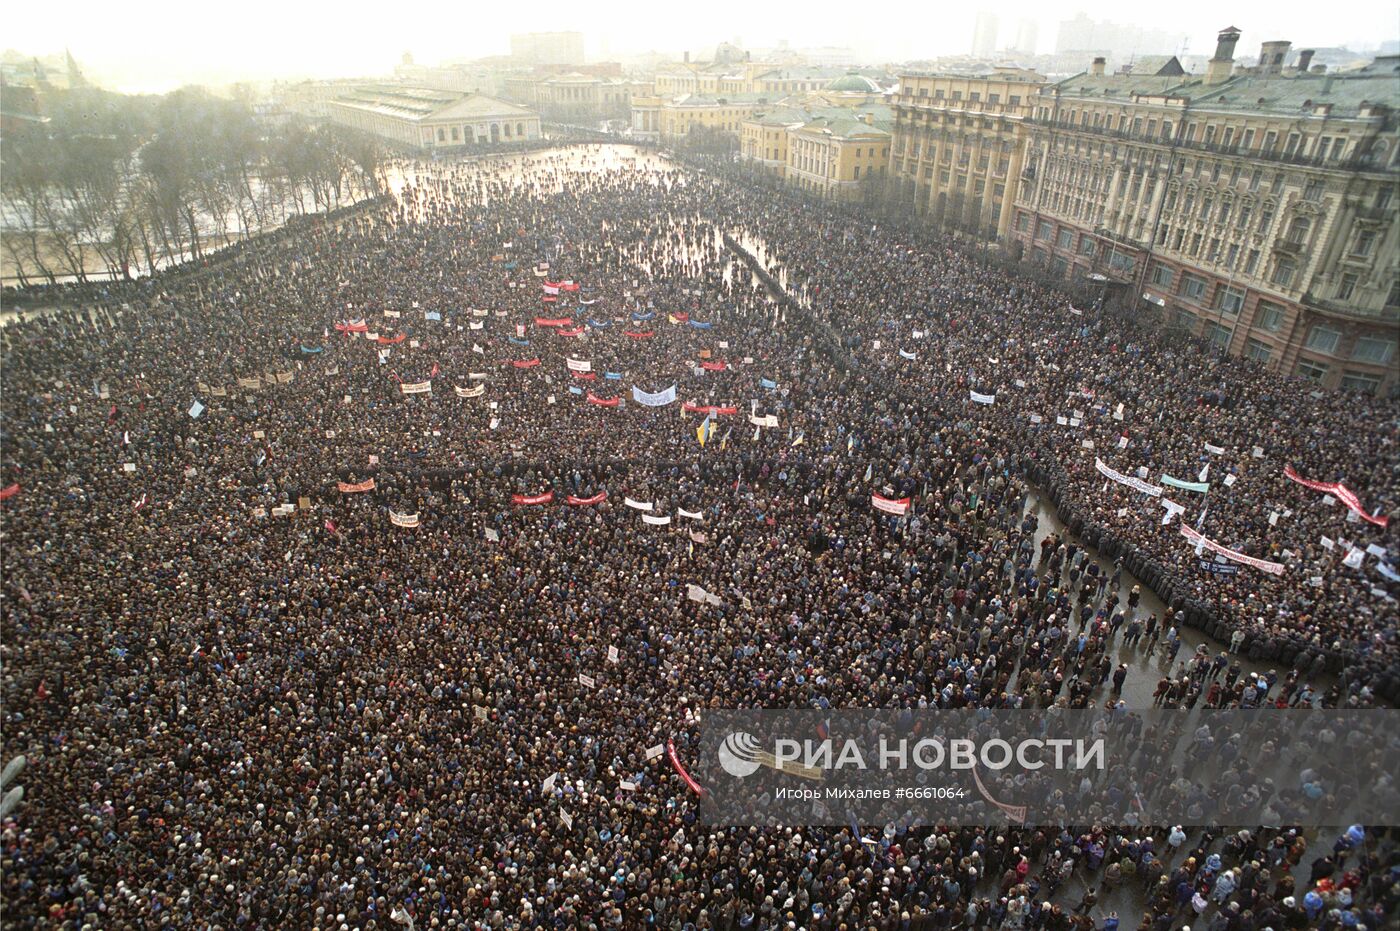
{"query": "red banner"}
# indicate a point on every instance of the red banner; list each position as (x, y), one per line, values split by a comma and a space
(586, 376)
(576, 331)
(553, 322)
(354, 326)
(9, 491)
(708, 409)
(347, 488)
(680, 770)
(525, 363)
(576, 501)
(549, 298)
(394, 341)
(681, 316)
(545, 498)
(647, 335)
(601, 402)
(890, 505)
(713, 366)
(1343, 493)
(552, 284)
(568, 286)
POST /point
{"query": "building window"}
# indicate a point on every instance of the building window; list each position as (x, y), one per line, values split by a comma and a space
(1257, 350)
(1346, 286)
(1321, 339)
(1218, 335)
(1121, 262)
(1161, 276)
(1229, 300)
(1086, 245)
(1313, 191)
(1022, 222)
(1372, 349)
(441, 136)
(1365, 242)
(1360, 382)
(1193, 288)
(1269, 316)
(1065, 240)
(1313, 371)
(454, 134)
(1045, 230)
(1283, 272)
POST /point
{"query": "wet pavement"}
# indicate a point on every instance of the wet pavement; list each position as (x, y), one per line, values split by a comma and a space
(1144, 668)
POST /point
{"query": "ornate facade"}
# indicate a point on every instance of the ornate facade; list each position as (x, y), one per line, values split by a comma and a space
(1255, 208)
(958, 145)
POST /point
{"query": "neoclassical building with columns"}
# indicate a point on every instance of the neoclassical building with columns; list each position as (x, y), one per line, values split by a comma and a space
(427, 119)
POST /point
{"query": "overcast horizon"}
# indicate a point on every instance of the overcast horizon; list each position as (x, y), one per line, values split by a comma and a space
(161, 45)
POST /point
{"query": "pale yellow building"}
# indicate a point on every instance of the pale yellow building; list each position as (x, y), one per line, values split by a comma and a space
(781, 82)
(681, 116)
(958, 145)
(832, 155)
(1255, 208)
(763, 137)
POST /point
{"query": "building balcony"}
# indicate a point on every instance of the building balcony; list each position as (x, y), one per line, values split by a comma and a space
(1286, 247)
(1345, 311)
(1214, 148)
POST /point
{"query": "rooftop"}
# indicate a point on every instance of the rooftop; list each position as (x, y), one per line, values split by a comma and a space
(1347, 93)
(855, 83)
(421, 103)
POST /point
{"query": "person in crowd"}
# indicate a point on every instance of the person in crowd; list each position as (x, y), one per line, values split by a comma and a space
(308, 545)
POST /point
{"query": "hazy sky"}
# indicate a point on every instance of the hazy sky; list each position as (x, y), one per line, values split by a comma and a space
(154, 45)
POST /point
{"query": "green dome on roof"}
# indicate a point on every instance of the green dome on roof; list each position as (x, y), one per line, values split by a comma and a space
(857, 83)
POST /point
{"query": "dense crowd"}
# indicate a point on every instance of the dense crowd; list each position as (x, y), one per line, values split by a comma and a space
(343, 716)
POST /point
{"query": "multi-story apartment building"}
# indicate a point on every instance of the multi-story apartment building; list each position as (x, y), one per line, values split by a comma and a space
(547, 48)
(958, 145)
(1255, 208)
